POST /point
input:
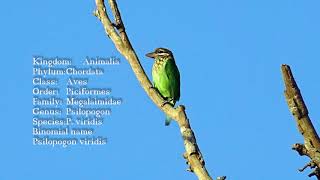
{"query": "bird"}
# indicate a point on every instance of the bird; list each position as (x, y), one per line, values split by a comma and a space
(166, 77)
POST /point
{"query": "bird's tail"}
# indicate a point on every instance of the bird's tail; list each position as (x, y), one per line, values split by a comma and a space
(167, 121)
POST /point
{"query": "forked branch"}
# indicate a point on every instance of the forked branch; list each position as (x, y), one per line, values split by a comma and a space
(116, 32)
(311, 146)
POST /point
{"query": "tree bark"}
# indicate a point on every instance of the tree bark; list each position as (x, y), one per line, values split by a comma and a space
(311, 146)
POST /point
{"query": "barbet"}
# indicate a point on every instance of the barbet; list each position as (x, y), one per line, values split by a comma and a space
(166, 76)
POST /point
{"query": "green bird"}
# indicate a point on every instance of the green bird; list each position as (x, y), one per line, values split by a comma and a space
(166, 76)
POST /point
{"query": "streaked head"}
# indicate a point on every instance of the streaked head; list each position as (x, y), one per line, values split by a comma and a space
(160, 52)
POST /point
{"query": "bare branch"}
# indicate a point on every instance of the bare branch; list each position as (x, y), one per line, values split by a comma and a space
(311, 146)
(101, 14)
(116, 32)
(119, 23)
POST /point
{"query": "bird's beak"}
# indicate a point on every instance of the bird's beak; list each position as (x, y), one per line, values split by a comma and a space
(151, 55)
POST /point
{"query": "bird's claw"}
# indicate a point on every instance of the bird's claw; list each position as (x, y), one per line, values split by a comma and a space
(152, 87)
(167, 101)
(164, 103)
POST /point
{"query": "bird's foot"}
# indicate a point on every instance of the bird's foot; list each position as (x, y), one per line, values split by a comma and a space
(167, 101)
(153, 88)
(164, 103)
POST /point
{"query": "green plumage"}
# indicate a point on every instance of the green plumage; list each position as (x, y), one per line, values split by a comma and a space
(166, 76)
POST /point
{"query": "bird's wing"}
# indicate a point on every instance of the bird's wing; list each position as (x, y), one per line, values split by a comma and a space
(173, 75)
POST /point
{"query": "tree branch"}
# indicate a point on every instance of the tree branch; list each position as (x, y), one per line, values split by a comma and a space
(116, 32)
(311, 146)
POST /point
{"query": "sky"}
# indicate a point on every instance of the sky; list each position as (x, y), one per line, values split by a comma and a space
(229, 55)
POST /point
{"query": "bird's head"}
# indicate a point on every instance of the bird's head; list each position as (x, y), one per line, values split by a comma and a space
(161, 53)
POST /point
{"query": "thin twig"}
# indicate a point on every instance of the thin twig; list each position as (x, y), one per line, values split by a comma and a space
(116, 32)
